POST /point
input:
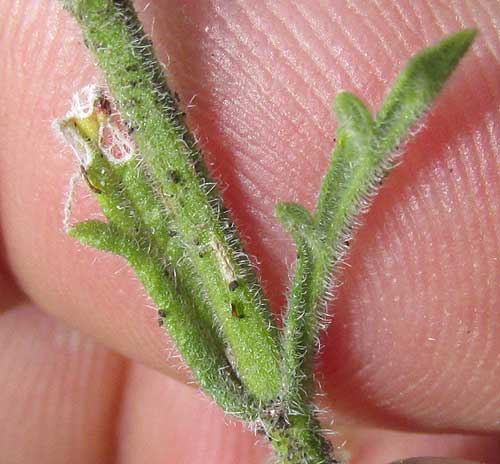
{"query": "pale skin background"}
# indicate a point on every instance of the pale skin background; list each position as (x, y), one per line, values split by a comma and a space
(411, 363)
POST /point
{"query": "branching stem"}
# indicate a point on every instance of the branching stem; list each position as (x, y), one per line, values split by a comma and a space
(167, 219)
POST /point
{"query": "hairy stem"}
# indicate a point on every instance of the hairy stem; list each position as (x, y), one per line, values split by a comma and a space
(201, 232)
(167, 219)
(299, 440)
(127, 205)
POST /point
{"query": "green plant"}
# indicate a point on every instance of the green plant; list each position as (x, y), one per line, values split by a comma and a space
(167, 219)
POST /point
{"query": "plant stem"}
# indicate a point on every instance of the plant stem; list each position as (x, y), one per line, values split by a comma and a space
(167, 219)
(300, 440)
(127, 205)
(161, 218)
(204, 235)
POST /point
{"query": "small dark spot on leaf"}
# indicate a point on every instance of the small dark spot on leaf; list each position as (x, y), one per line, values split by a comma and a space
(233, 285)
(160, 322)
(162, 313)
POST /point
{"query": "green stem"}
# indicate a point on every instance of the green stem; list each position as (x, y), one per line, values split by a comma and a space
(166, 218)
(297, 439)
(128, 234)
(203, 234)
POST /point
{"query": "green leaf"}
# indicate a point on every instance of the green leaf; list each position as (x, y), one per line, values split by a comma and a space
(354, 118)
(199, 344)
(351, 155)
(138, 229)
(362, 157)
(417, 87)
(295, 218)
(100, 235)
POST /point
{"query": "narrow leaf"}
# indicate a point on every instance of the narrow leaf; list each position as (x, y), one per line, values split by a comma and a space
(295, 218)
(102, 236)
(362, 157)
(354, 118)
(172, 161)
(138, 229)
(352, 152)
(417, 87)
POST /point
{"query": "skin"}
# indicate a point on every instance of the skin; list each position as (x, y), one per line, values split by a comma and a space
(410, 363)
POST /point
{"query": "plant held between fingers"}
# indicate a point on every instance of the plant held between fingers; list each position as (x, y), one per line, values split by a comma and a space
(165, 216)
